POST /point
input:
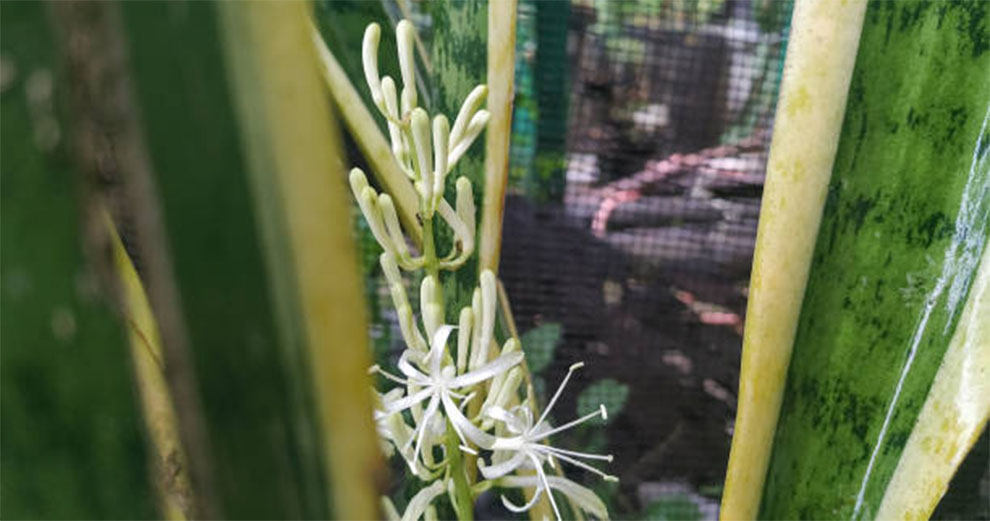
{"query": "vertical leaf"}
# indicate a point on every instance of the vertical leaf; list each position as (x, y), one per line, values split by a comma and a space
(820, 57)
(297, 173)
(251, 381)
(458, 54)
(169, 461)
(905, 225)
(71, 436)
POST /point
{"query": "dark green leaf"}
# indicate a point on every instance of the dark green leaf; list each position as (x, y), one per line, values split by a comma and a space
(675, 507)
(539, 345)
(903, 229)
(607, 392)
(71, 437)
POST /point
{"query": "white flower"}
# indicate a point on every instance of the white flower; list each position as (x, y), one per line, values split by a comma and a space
(438, 384)
(526, 448)
(581, 496)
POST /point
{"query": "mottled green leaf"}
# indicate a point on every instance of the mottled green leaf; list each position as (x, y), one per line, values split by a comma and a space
(539, 345)
(607, 392)
(904, 228)
(675, 507)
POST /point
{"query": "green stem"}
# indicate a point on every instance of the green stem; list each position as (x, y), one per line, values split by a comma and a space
(464, 501)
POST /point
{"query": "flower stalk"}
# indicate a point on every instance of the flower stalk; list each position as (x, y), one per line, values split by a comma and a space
(466, 404)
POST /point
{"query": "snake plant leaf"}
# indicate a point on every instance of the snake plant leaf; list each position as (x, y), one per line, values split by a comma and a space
(294, 160)
(895, 303)
(608, 392)
(458, 55)
(817, 72)
(539, 345)
(168, 457)
(71, 437)
(252, 380)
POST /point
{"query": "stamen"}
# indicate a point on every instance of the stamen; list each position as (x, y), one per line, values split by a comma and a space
(564, 427)
(579, 463)
(546, 485)
(601, 457)
(377, 369)
(560, 389)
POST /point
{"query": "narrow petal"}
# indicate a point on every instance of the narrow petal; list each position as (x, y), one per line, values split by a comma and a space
(408, 401)
(498, 470)
(459, 421)
(517, 509)
(388, 508)
(464, 338)
(431, 409)
(510, 420)
(583, 497)
(422, 499)
(437, 346)
(500, 364)
(409, 370)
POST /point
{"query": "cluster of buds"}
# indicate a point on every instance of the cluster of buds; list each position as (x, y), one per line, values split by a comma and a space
(435, 384)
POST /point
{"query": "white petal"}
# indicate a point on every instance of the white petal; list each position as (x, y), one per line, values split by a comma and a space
(498, 470)
(460, 422)
(437, 347)
(517, 509)
(423, 427)
(422, 499)
(407, 402)
(499, 365)
(581, 496)
(406, 368)
(514, 424)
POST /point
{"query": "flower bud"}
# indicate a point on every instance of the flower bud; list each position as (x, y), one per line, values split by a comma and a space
(369, 58)
(407, 61)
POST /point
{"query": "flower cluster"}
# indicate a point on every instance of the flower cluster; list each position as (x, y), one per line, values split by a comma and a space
(464, 400)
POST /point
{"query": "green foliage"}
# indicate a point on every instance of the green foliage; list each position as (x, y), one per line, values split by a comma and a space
(71, 437)
(675, 507)
(539, 345)
(459, 57)
(903, 229)
(252, 382)
(607, 392)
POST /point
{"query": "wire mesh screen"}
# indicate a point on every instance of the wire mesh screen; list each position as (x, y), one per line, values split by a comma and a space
(643, 259)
